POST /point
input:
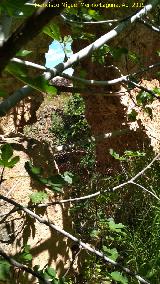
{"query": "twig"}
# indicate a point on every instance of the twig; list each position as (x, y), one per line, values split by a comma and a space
(145, 189)
(150, 26)
(146, 168)
(12, 188)
(15, 263)
(81, 244)
(88, 22)
(2, 173)
(144, 89)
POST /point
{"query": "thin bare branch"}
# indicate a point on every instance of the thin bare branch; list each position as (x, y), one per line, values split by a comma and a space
(150, 26)
(146, 168)
(88, 22)
(145, 189)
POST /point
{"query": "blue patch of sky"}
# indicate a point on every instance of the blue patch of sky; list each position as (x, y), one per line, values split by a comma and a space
(56, 55)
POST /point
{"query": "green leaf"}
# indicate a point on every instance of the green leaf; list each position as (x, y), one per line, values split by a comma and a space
(116, 156)
(4, 270)
(38, 83)
(6, 152)
(12, 7)
(33, 171)
(157, 90)
(38, 197)
(23, 53)
(115, 227)
(53, 182)
(133, 57)
(111, 253)
(148, 110)
(134, 153)
(117, 276)
(144, 97)
(41, 84)
(56, 182)
(113, 154)
(158, 52)
(53, 31)
(118, 52)
(25, 256)
(68, 177)
(62, 281)
(1, 163)
(51, 272)
(12, 162)
(17, 70)
(95, 234)
(36, 170)
(133, 115)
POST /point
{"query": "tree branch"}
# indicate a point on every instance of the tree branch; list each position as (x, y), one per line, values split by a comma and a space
(88, 22)
(144, 89)
(150, 26)
(85, 81)
(145, 189)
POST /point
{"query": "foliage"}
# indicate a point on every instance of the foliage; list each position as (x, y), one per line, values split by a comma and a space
(71, 129)
(50, 274)
(133, 244)
(15, 8)
(6, 159)
(55, 183)
(4, 270)
(25, 256)
(117, 276)
(38, 197)
(39, 83)
(70, 126)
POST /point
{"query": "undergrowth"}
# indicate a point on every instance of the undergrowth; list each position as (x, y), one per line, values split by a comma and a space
(133, 240)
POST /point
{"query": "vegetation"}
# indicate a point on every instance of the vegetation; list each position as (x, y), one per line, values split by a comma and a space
(116, 218)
